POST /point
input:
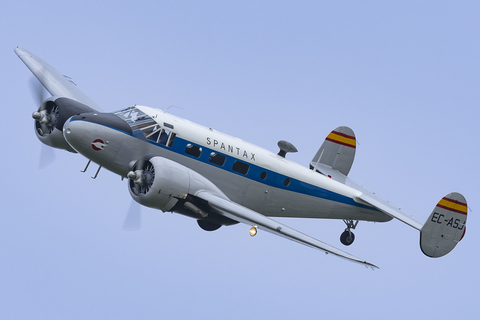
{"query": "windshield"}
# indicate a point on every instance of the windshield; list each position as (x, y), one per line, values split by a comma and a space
(135, 118)
(138, 120)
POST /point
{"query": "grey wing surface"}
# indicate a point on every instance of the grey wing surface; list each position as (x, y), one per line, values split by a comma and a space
(55, 82)
(242, 214)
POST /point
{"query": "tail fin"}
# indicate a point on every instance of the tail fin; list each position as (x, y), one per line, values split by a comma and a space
(335, 156)
(445, 227)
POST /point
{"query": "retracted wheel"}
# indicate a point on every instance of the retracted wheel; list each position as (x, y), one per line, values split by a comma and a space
(347, 237)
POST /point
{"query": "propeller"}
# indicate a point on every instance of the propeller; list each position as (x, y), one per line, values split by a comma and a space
(37, 90)
(140, 180)
(39, 94)
(141, 176)
(133, 218)
(47, 156)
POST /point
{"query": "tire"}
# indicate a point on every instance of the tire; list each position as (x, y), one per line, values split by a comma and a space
(208, 226)
(347, 238)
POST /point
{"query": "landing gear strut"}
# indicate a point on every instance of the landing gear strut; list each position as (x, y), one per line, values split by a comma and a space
(347, 237)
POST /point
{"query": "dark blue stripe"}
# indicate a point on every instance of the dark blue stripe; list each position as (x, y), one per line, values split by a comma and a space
(273, 179)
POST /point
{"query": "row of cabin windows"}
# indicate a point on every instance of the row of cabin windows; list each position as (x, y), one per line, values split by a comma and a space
(219, 160)
(215, 158)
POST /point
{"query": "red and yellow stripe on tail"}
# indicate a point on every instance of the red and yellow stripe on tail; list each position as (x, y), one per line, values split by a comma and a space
(343, 139)
(453, 205)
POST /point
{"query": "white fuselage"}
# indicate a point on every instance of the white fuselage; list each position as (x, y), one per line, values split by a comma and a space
(249, 175)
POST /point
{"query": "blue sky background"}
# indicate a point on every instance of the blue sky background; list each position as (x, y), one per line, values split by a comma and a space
(403, 75)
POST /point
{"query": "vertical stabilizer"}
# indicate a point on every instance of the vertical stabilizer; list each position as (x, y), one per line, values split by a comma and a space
(336, 154)
(445, 227)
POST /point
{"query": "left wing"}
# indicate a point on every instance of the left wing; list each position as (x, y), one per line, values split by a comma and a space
(240, 213)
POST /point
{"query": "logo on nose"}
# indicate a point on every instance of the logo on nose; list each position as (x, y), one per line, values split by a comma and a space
(98, 144)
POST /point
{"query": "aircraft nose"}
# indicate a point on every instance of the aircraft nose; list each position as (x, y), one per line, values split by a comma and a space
(83, 130)
(76, 134)
(79, 130)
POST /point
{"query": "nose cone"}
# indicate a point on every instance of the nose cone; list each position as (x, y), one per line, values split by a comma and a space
(81, 130)
(99, 137)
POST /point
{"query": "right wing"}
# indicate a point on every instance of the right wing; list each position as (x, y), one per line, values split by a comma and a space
(55, 82)
(242, 214)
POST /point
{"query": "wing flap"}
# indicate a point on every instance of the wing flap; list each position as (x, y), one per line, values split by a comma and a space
(242, 214)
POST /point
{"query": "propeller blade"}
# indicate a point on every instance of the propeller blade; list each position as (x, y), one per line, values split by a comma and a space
(133, 219)
(47, 156)
(37, 90)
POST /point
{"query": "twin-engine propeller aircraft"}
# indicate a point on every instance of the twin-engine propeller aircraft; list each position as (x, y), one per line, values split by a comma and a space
(178, 166)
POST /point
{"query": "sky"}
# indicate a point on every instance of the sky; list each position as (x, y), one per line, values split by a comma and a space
(403, 75)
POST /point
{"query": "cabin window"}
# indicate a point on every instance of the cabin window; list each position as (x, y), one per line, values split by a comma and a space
(217, 159)
(171, 138)
(286, 182)
(263, 175)
(193, 150)
(241, 167)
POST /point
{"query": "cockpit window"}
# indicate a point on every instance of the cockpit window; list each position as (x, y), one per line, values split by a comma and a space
(152, 132)
(138, 120)
(166, 137)
(135, 118)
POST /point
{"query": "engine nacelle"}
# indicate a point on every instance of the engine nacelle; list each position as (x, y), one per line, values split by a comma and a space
(159, 183)
(50, 118)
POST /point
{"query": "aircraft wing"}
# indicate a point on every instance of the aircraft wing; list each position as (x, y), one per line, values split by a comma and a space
(242, 214)
(55, 82)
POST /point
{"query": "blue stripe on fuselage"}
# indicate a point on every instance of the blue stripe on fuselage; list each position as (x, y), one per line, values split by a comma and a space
(273, 179)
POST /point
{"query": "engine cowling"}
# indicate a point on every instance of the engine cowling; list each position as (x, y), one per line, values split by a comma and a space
(160, 183)
(50, 118)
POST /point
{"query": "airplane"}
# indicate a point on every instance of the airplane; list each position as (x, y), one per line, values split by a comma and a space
(175, 165)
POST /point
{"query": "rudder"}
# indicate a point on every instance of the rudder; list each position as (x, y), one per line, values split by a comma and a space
(445, 227)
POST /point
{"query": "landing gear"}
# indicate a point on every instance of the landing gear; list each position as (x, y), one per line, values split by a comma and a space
(347, 237)
(208, 226)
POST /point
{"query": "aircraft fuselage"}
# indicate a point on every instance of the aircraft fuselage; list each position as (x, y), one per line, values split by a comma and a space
(249, 175)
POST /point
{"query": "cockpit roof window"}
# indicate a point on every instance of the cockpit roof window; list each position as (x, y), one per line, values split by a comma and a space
(135, 118)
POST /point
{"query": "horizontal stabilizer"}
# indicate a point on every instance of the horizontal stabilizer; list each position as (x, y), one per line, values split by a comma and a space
(388, 208)
(445, 227)
(335, 156)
